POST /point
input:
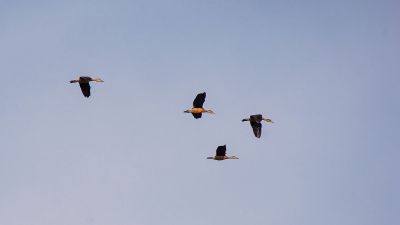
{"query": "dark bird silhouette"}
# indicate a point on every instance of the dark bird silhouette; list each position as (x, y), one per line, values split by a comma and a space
(221, 154)
(255, 122)
(84, 84)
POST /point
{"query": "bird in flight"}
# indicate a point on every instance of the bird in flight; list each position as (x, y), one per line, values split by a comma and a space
(84, 84)
(221, 154)
(198, 109)
(255, 122)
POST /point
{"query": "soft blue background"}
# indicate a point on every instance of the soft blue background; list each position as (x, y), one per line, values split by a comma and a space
(327, 73)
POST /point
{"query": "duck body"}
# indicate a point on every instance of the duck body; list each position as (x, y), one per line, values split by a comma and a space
(220, 158)
(221, 154)
(197, 110)
(84, 84)
(255, 122)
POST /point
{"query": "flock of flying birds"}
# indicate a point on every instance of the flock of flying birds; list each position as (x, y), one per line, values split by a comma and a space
(197, 111)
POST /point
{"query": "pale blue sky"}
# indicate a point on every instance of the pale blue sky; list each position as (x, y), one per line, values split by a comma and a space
(326, 72)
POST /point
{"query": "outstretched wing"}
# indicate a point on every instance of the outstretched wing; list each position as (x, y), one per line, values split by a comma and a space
(197, 115)
(256, 118)
(199, 100)
(221, 150)
(85, 87)
(256, 128)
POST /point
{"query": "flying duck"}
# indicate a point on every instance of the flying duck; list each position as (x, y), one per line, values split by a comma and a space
(221, 154)
(198, 109)
(84, 84)
(255, 122)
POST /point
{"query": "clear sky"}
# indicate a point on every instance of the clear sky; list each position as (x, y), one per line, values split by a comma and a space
(327, 73)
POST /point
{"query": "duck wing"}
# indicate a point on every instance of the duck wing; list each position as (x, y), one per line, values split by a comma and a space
(197, 115)
(221, 150)
(256, 128)
(85, 87)
(199, 100)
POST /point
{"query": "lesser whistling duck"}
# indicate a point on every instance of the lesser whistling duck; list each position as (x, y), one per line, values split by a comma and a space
(255, 122)
(198, 109)
(221, 154)
(84, 84)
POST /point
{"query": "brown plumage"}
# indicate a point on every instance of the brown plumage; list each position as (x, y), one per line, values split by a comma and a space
(221, 154)
(197, 110)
